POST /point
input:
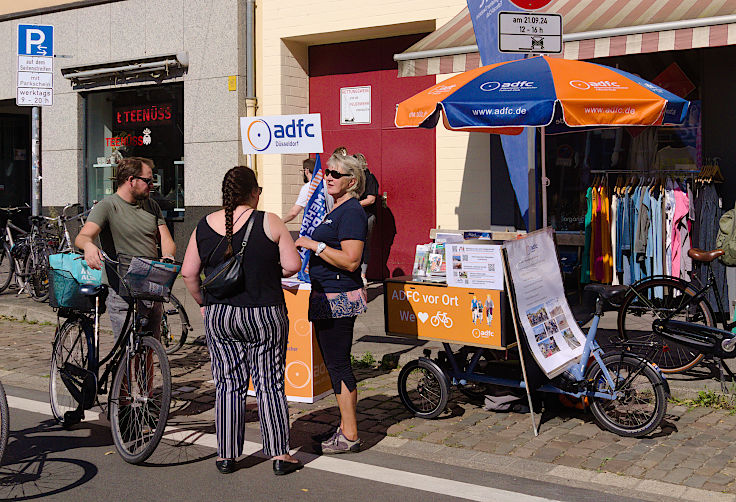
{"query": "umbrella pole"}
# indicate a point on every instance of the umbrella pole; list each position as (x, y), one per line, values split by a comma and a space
(545, 180)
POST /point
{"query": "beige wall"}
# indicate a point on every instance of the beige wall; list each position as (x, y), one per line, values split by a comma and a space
(285, 31)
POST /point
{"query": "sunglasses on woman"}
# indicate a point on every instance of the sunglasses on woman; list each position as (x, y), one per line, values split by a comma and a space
(335, 174)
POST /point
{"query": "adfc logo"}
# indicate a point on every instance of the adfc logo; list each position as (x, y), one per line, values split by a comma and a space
(259, 135)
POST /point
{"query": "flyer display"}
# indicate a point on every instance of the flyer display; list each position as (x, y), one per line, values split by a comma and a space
(554, 337)
(475, 266)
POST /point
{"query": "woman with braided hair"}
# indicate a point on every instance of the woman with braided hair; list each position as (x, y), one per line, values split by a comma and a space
(247, 331)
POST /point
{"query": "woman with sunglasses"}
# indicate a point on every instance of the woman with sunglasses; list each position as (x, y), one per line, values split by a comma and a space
(338, 295)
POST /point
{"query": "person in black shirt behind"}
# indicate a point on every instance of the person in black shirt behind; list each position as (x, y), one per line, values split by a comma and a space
(368, 200)
(338, 294)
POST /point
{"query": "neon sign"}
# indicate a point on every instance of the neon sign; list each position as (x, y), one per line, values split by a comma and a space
(146, 114)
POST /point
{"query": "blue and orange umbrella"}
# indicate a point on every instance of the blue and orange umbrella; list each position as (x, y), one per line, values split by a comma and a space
(504, 97)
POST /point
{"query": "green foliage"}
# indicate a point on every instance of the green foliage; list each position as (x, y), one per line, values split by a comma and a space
(366, 361)
(708, 399)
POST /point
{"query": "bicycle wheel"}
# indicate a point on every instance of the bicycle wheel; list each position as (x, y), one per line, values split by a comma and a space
(4, 421)
(36, 270)
(71, 379)
(139, 400)
(174, 325)
(423, 388)
(641, 401)
(6, 267)
(660, 298)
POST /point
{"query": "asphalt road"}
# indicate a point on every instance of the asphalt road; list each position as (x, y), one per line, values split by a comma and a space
(45, 462)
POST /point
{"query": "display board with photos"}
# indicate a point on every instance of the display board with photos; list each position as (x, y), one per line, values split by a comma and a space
(554, 337)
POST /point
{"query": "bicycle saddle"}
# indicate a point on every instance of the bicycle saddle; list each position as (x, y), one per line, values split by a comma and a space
(36, 219)
(611, 294)
(91, 290)
(704, 256)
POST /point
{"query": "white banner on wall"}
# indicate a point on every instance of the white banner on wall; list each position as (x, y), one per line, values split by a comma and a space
(282, 134)
(553, 335)
(355, 105)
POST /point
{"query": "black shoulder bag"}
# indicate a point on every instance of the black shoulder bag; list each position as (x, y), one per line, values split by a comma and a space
(227, 278)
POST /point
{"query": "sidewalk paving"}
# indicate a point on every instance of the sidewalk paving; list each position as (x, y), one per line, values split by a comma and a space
(689, 458)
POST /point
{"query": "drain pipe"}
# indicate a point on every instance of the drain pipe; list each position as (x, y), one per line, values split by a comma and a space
(251, 102)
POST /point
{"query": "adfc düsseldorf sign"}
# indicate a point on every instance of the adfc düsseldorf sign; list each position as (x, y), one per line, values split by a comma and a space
(530, 4)
(282, 134)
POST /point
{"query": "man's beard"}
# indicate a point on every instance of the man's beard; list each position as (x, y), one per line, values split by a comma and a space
(143, 195)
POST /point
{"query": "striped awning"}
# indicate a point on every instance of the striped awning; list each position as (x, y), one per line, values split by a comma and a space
(593, 29)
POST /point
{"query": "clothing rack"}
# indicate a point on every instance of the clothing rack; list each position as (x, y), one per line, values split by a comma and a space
(689, 173)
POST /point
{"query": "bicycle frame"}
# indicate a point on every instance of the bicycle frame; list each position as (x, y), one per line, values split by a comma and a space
(577, 371)
(111, 361)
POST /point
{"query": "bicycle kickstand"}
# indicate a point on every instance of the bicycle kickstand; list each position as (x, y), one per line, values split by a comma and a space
(721, 367)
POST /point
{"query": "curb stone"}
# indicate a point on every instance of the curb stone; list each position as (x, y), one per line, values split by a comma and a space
(656, 491)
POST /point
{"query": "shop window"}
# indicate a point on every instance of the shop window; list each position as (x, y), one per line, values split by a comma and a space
(15, 159)
(141, 122)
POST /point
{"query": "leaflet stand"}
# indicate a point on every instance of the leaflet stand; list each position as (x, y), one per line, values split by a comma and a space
(514, 309)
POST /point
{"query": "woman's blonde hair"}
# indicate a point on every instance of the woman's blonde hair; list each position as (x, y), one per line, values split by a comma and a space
(352, 167)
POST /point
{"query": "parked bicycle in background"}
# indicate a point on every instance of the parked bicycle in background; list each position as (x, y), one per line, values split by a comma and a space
(668, 298)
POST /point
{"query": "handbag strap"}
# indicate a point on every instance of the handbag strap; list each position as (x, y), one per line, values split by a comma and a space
(207, 261)
(247, 234)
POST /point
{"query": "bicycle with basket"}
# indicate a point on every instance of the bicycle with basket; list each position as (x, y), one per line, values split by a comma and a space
(140, 392)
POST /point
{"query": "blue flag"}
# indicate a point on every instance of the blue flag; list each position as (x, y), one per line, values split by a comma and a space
(314, 213)
(484, 14)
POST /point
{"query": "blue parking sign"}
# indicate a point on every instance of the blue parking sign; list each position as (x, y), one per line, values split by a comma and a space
(35, 40)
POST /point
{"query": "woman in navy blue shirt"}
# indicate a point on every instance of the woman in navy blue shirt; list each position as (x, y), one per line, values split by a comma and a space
(338, 295)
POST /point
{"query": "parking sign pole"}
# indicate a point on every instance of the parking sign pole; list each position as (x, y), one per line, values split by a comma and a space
(36, 161)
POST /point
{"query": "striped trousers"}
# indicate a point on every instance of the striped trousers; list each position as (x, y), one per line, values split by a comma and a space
(248, 342)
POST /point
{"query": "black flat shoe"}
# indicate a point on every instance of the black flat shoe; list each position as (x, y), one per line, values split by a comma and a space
(226, 466)
(281, 467)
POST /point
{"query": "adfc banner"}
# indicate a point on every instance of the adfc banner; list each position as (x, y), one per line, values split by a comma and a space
(282, 134)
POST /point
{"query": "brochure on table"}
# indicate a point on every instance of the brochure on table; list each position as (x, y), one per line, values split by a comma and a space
(474, 266)
(554, 337)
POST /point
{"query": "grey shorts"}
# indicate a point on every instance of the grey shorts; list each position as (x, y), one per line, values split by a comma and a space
(117, 308)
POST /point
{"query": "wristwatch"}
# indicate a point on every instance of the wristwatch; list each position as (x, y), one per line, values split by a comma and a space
(320, 247)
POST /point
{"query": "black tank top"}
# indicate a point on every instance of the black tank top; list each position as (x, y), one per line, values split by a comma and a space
(260, 263)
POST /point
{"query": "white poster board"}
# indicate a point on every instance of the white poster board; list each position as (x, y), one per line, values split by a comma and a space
(355, 105)
(475, 266)
(282, 134)
(554, 337)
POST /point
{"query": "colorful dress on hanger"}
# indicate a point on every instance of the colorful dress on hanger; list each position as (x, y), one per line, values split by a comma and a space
(585, 266)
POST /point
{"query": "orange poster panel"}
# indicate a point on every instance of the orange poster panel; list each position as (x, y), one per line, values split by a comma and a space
(456, 315)
(306, 378)
(306, 373)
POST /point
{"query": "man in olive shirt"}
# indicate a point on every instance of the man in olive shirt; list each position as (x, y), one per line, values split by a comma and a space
(127, 222)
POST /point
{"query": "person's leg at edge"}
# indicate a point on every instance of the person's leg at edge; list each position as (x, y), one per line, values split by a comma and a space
(335, 339)
(266, 352)
(347, 401)
(231, 374)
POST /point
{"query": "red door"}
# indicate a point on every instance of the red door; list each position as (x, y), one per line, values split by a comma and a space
(403, 161)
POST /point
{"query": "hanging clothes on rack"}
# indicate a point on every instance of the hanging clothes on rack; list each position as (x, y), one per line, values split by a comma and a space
(585, 266)
(680, 235)
(709, 212)
(614, 237)
(606, 257)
